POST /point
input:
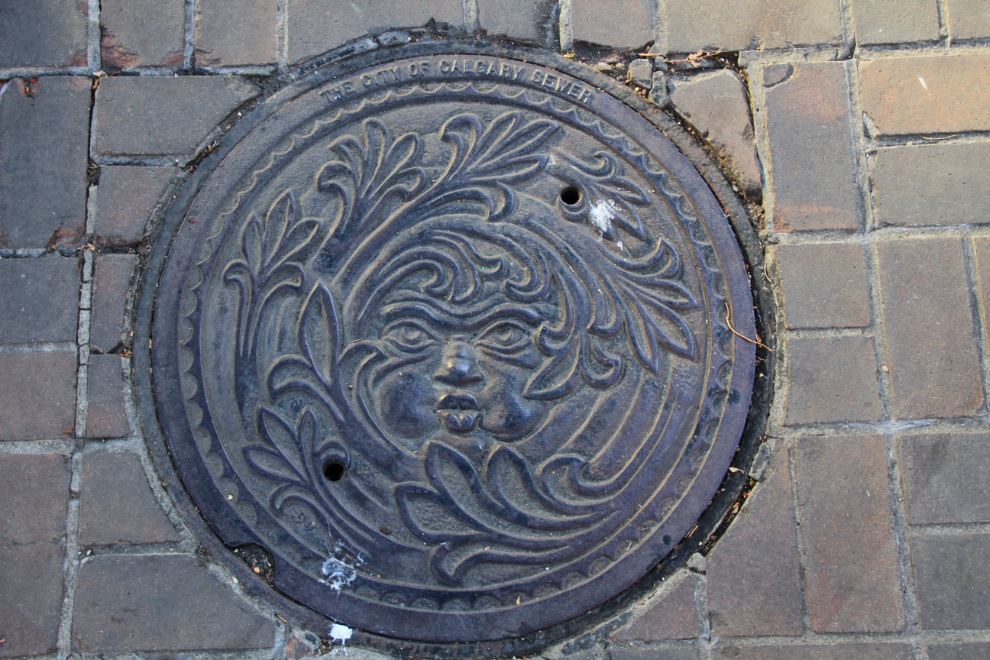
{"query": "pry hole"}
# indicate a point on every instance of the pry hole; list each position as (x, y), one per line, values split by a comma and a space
(334, 469)
(570, 195)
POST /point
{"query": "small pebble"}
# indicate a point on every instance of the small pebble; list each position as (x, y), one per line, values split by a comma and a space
(605, 67)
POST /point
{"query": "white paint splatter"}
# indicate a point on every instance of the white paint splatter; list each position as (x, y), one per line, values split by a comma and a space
(340, 633)
(923, 83)
(602, 213)
(338, 573)
(619, 245)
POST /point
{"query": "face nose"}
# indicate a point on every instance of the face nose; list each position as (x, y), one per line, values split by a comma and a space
(459, 365)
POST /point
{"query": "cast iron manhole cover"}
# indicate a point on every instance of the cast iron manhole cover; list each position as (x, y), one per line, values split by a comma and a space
(448, 336)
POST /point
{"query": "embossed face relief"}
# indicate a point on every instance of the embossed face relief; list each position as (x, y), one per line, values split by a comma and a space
(449, 338)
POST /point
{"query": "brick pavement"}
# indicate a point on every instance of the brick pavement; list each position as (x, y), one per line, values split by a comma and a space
(866, 536)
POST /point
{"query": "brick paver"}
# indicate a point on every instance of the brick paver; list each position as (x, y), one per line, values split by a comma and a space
(952, 571)
(817, 652)
(716, 105)
(754, 583)
(946, 94)
(43, 383)
(812, 150)
(824, 285)
(44, 128)
(931, 185)
(142, 33)
(110, 283)
(847, 529)
(126, 196)
(934, 365)
(43, 33)
(832, 379)
(674, 617)
(945, 478)
(750, 24)
(105, 416)
(958, 651)
(235, 32)
(154, 115)
(520, 19)
(892, 21)
(39, 299)
(599, 23)
(160, 603)
(967, 19)
(34, 490)
(116, 505)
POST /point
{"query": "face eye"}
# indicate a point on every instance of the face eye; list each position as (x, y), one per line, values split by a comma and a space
(407, 336)
(506, 336)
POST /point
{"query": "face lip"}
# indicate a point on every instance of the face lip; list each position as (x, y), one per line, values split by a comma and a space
(458, 402)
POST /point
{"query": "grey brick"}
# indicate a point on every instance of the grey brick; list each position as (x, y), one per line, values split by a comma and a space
(652, 653)
(934, 365)
(942, 184)
(142, 33)
(44, 141)
(968, 19)
(316, 27)
(945, 478)
(520, 19)
(160, 603)
(879, 651)
(848, 532)
(161, 115)
(110, 282)
(39, 299)
(600, 23)
(750, 24)
(116, 504)
(754, 583)
(675, 616)
(832, 379)
(38, 395)
(43, 33)
(952, 574)
(892, 21)
(235, 32)
(959, 651)
(126, 197)
(811, 150)
(105, 417)
(824, 286)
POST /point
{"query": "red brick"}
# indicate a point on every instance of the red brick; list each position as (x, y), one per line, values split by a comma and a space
(952, 572)
(117, 505)
(942, 184)
(157, 115)
(877, 651)
(37, 395)
(716, 105)
(137, 33)
(811, 150)
(126, 196)
(674, 617)
(968, 19)
(832, 380)
(316, 27)
(824, 286)
(847, 528)
(932, 356)
(43, 33)
(235, 32)
(600, 23)
(931, 94)
(160, 603)
(106, 417)
(44, 142)
(34, 489)
(750, 24)
(110, 284)
(892, 21)
(945, 478)
(754, 582)
(39, 299)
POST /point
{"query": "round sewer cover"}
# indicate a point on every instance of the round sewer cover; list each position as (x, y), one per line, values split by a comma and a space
(449, 336)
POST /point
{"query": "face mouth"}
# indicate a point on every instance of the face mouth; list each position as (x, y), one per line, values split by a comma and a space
(459, 412)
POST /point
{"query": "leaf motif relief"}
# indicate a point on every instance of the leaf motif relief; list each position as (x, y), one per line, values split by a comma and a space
(607, 199)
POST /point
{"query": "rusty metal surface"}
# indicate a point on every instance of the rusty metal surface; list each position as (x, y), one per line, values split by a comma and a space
(448, 337)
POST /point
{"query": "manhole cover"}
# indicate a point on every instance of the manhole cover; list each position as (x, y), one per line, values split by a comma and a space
(448, 336)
